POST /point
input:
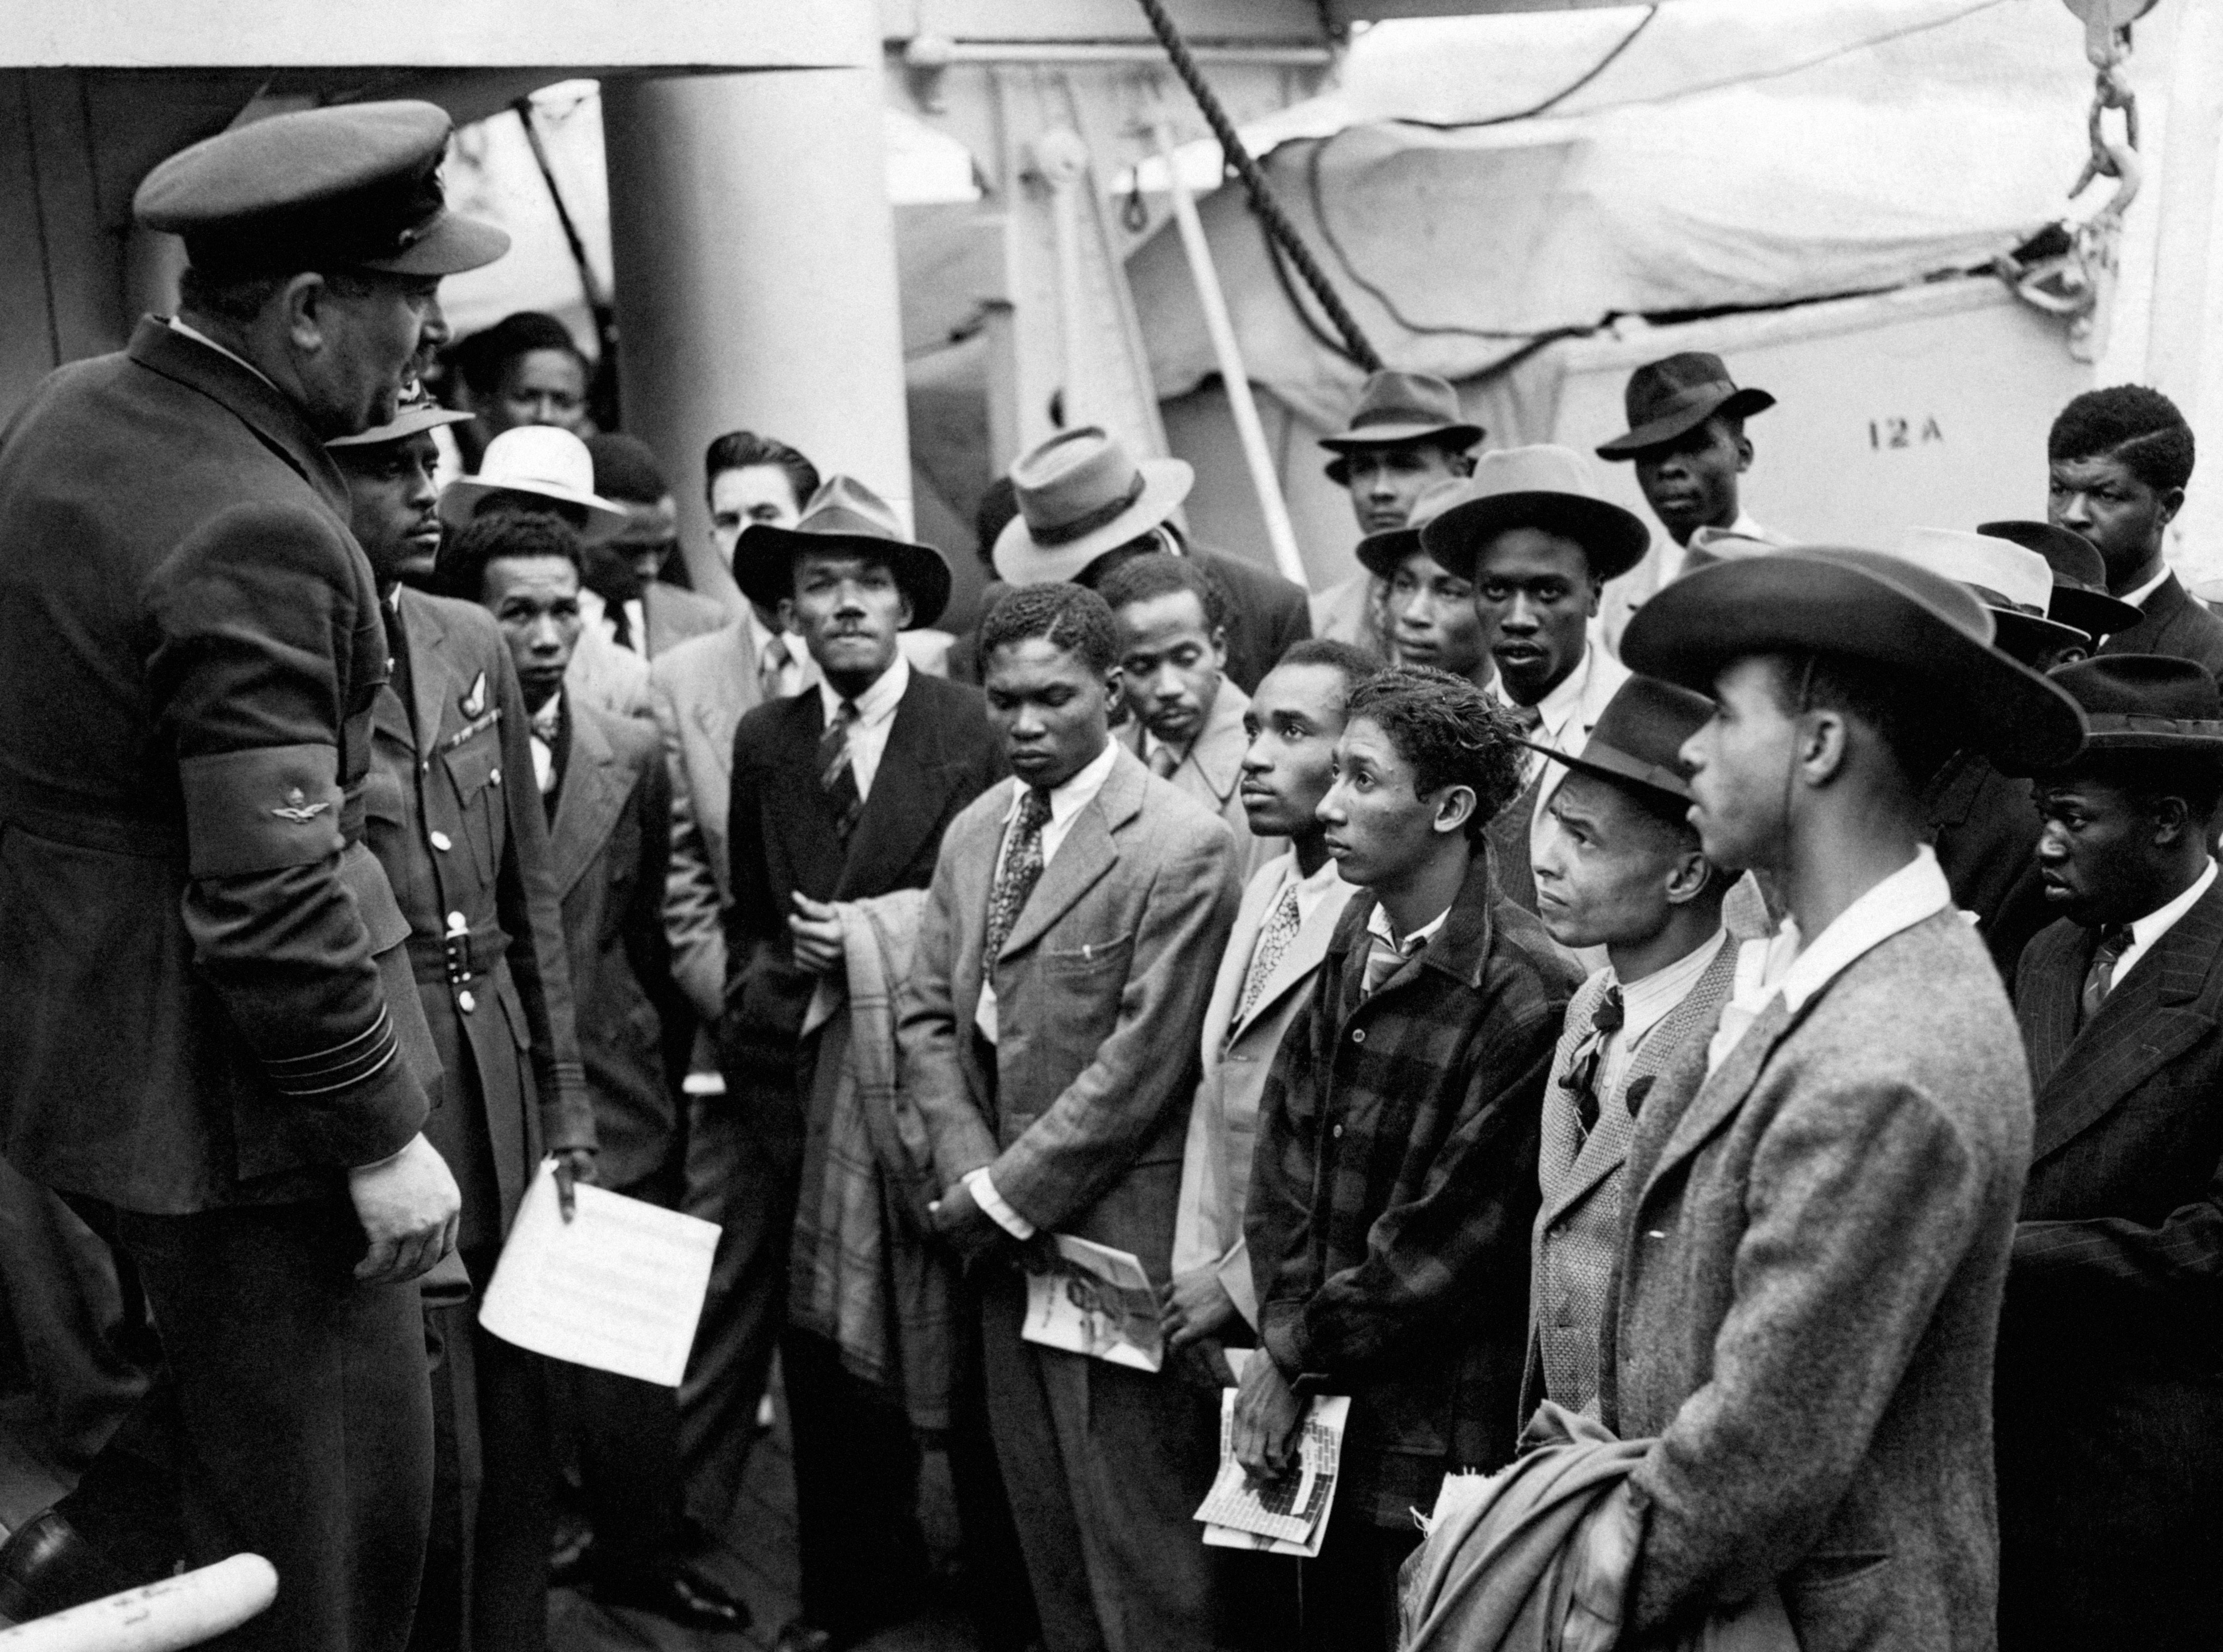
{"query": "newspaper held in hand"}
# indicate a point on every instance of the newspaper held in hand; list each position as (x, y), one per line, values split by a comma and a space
(1283, 1517)
(1098, 1302)
(618, 1288)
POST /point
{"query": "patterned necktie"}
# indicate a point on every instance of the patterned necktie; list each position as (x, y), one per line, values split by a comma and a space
(1530, 718)
(1583, 1076)
(1021, 871)
(547, 734)
(771, 669)
(1273, 941)
(835, 775)
(2100, 979)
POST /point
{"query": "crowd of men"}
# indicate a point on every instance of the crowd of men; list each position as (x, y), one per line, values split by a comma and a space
(1722, 1036)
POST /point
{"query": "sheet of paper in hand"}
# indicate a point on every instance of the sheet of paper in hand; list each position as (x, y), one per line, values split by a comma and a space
(618, 1288)
(1096, 1301)
(1283, 1517)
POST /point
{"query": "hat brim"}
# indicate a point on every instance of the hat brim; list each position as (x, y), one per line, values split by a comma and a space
(1022, 560)
(2187, 739)
(1359, 437)
(453, 244)
(1737, 404)
(1797, 602)
(414, 422)
(2025, 635)
(1610, 763)
(2095, 612)
(1614, 540)
(764, 566)
(1382, 554)
(459, 503)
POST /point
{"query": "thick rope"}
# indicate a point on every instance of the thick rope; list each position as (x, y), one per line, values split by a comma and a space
(1277, 222)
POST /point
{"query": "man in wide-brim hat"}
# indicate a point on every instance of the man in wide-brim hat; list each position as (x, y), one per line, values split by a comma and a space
(2110, 1386)
(2079, 578)
(1822, 1212)
(1085, 505)
(1537, 545)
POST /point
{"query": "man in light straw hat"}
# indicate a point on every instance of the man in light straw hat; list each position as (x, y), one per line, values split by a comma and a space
(206, 1016)
(1821, 1201)
(1085, 505)
(1538, 546)
(840, 796)
(2110, 1368)
(1406, 436)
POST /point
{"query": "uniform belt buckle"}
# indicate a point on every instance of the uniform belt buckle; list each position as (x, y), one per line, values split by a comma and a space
(461, 965)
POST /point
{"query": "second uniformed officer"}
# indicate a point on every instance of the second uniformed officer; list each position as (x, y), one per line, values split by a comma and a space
(206, 1020)
(456, 820)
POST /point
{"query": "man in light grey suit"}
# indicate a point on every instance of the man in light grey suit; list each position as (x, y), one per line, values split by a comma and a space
(1047, 1030)
(1821, 1199)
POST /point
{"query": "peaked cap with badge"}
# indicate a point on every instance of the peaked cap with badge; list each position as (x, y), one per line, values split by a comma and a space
(843, 515)
(1395, 410)
(1637, 741)
(1545, 487)
(415, 413)
(1674, 395)
(2015, 583)
(1079, 495)
(352, 187)
(1871, 608)
(2080, 577)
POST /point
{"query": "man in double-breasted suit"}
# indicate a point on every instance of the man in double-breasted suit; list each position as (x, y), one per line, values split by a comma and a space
(1821, 1199)
(840, 794)
(208, 1038)
(1621, 868)
(458, 826)
(2110, 1389)
(1047, 1028)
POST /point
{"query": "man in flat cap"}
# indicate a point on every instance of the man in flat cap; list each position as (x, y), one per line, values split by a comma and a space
(1538, 546)
(1406, 436)
(1686, 438)
(208, 1037)
(1821, 1198)
(2110, 1390)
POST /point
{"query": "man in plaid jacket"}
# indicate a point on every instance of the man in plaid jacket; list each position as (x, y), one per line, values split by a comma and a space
(1395, 1183)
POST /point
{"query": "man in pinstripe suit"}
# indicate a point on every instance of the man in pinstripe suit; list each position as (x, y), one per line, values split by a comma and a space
(1620, 867)
(2109, 1412)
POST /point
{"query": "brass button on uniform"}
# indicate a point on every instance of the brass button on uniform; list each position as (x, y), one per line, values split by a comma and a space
(1358, 1035)
(494, 775)
(443, 843)
(465, 1002)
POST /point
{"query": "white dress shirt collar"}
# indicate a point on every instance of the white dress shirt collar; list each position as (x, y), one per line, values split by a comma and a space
(876, 715)
(180, 325)
(1378, 925)
(1646, 1001)
(1556, 710)
(1067, 801)
(2137, 598)
(2146, 931)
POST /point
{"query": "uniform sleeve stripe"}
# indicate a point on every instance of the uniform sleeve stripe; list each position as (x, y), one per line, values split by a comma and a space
(332, 1055)
(363, 1058)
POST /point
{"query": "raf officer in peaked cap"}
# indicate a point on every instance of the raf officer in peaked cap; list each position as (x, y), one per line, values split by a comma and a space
(210, 1040)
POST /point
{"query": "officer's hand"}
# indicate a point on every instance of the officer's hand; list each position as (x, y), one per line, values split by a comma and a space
(1267, 1418)
(408, 1206)
(1193, 1306)
(573, 1165)
(815, 935)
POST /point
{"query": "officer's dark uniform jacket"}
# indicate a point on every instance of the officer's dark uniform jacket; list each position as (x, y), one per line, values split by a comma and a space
(202, 995)
(456, 820)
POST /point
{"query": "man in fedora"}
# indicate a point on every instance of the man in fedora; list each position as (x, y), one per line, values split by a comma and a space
(1538, 546)
(2080, 596)
(1686, 437)
(841, 794)
(1086, 506)
(1406, 436)
(2110, 1390)
(1624, 870)
(208, 1038)
(541, 468)
(1980, 821)
(1821, 1201)
(1427, 612)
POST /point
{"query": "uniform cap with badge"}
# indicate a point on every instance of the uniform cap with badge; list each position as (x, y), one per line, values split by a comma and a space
(355, 186)
(415, 413)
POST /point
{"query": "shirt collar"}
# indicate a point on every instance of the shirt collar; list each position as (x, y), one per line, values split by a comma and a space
(1646, 1001)
(1557, 708)
(2137, 598)
(1068, 800)
(2145, 932)
(1377, 925)
(877, 703)
(180, 325)
(1917, 891)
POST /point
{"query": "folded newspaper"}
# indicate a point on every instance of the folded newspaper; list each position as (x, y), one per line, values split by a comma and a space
(1283, 1517)
(1098, 1302)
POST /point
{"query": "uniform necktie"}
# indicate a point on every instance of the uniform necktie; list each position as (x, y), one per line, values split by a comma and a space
(1164, 759)
(1583, 1076)
(771, 669)
(2099, 979)
(836, 777)
(1015, 880)
(1273, 941)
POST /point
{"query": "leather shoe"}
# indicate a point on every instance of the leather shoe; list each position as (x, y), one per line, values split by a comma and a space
(689, 1600)
(46, 1567)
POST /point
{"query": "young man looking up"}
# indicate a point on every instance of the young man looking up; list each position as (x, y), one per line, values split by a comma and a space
(1395, 1180)
(2110, 1389)
(2117, 461)
(1538, 546)
(1622, 869)
(1819, 1211)
(1427, 612)
(1289, 911)
(1172, 614)
(1047, 1026)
